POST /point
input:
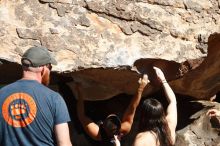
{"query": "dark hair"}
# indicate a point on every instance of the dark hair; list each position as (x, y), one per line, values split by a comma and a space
(153, 119)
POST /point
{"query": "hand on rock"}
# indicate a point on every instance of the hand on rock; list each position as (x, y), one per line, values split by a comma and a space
(160, 74)
(143, 81)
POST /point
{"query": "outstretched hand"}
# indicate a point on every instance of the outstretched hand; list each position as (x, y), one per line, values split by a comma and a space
(143, 81)
(159, 74)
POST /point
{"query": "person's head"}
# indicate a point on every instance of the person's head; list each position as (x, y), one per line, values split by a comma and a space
(38, 60)
(153, 118)
(112, 125)
(152, 113)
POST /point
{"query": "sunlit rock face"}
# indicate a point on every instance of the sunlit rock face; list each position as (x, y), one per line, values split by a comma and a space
(203, 82)
(202, 131)
(107, 45)
(85, 33)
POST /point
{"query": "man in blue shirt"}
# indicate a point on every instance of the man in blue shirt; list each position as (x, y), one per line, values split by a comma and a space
(32, 114)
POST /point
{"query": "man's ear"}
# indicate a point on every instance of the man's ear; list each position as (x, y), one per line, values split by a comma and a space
(42, 70)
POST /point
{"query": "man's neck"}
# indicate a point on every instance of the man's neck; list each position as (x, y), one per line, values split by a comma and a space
(31, 76)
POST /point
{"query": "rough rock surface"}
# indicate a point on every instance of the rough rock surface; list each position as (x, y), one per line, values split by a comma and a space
(200, 132)
(107, 44)
(109, 33)
(202, 82)
(103, 42)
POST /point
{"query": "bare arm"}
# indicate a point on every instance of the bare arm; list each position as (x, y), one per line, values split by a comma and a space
(91, 128)
(172, 108)
(128, 116)
(62, 135)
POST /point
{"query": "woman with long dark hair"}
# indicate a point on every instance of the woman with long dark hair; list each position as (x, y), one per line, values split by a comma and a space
(157, 127)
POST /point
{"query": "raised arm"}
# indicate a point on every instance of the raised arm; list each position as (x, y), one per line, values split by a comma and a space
(127, 119)
(91, 128)
(172, 108)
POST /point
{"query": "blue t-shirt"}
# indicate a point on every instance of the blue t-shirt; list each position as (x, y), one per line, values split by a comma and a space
(29, 111)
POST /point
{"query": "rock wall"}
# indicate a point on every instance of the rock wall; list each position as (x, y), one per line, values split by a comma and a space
(203, 82)
(202, 132)
(110, 43)
(91, 34)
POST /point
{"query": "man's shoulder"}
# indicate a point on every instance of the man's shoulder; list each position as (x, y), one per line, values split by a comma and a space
(37, 86)
(47, 90)
(9, 86)
(29, 85)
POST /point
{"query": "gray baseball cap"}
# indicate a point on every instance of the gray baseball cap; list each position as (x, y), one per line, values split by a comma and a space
(37, 56)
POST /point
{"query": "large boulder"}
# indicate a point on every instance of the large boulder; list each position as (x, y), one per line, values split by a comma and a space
(202, 132)
(108, 44)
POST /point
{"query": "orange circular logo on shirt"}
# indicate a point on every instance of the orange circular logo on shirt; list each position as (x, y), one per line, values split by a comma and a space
(19, 110)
